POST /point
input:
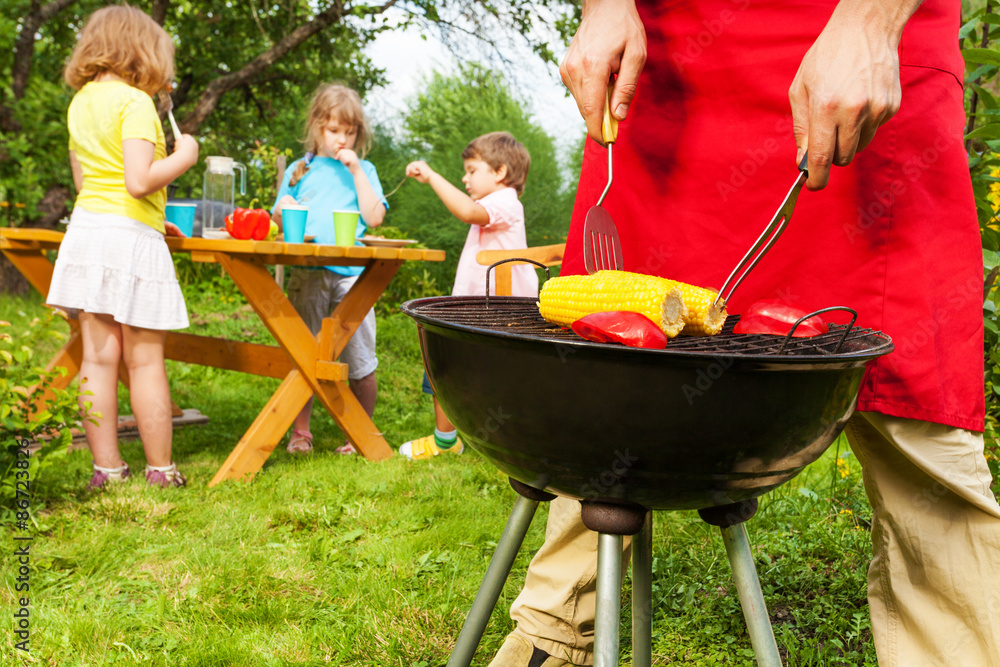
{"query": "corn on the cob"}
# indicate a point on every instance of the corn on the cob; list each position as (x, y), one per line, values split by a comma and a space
(674, 306)
(703, 318)
(566, 299)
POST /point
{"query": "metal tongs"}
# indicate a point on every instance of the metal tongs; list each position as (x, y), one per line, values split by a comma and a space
(771, 233)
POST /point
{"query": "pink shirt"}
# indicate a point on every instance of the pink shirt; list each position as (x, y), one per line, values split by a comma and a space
(505, 231)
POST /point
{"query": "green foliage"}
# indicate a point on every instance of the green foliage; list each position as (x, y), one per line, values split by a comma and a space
(22, 379)
(982, 61)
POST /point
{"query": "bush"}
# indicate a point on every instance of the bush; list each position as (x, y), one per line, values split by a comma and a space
(22, 421)
(983, 144)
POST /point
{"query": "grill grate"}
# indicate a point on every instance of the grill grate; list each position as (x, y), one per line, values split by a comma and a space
(518, 316)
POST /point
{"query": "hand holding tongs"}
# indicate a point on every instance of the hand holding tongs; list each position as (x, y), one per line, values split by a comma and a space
(771, 233)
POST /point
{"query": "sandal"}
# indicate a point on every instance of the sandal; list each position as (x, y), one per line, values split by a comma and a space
(165, 476)
(347, 449)
(105, 476)
(301, 442)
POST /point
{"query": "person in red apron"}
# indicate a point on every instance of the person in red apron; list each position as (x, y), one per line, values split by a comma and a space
(731, 93)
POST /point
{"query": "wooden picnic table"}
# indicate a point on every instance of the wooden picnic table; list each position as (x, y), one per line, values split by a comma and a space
(306, 363)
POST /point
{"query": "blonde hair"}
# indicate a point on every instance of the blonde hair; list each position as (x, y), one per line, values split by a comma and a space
(124, 41)
(333, 101)
(499, 149)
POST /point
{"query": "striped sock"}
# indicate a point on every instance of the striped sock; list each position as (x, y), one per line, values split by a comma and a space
(445, 439)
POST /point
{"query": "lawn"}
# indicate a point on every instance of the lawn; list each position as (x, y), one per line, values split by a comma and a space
(327, 559)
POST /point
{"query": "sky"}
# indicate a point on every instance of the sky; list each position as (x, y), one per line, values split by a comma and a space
(408, 60)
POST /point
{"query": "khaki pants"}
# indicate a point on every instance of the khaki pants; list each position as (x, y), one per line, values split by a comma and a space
(934, 580)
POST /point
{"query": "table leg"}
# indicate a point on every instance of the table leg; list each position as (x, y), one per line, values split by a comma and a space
(266, 431)
(33, 265)
(288, 329)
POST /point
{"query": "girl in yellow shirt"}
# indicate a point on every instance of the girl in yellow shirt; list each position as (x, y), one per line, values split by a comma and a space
(114, 269)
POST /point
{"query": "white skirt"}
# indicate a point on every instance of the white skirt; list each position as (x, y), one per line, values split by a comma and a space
(117, 266)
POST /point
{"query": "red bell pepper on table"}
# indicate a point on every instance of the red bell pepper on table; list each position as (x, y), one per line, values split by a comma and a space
(627, 328)
(771, 316)
(249, 223)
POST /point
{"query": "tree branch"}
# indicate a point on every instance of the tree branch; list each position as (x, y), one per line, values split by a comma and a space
(25, 47)
(24, 50)
(219, 87)
(159, 11)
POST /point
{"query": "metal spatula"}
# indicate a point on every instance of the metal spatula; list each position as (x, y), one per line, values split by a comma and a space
(602, 249)
(771, 233)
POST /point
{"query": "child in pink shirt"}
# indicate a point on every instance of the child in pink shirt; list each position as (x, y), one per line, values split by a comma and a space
(496, 168)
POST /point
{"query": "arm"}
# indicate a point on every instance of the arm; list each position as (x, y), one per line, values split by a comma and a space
(371, 206)
(461, 205)
(144, 175)
(611, 39)
(74, 166)
(848, 83)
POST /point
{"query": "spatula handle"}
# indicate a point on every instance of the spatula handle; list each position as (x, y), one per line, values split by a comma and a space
(609, 127)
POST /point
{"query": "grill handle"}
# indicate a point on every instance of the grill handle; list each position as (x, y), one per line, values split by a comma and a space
(504, 261)
(847, 330)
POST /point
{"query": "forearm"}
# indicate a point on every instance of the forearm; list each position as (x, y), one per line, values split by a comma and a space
(458, 203)
(887, 16)
(160, 174)
(145, 175)
(370, 204)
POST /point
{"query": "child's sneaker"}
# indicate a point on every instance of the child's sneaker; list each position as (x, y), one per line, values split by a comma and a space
(165, 476)
(104, 476)
(426, 447)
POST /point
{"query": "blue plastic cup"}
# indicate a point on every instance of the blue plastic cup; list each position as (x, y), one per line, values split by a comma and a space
(293, 222)
(182, 215)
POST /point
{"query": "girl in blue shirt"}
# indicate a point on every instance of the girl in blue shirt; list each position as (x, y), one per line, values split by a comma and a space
(333, 177)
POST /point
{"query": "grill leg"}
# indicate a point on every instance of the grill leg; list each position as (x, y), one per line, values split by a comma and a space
(642, 594)
(751, 599)
(496, 575)
(609, 598)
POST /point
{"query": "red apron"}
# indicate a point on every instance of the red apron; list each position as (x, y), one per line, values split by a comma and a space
(707, 154)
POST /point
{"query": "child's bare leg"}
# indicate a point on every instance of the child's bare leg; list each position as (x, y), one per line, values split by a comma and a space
(441, 419)
(102, 351)
(366, 391)
(143, 353)
(302, 419)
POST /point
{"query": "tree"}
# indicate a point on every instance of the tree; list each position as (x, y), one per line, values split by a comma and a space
(450, 112)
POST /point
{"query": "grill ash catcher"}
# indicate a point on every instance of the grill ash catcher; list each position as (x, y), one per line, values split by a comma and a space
(707, 424)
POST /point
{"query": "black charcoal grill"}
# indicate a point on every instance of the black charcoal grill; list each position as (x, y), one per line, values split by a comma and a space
(709, 423)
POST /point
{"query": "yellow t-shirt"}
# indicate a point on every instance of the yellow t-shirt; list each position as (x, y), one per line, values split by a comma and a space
(102, 115)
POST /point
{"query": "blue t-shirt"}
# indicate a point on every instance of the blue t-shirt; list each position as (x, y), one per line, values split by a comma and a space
(327, 187)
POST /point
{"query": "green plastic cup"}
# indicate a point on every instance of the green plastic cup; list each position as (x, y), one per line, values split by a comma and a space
(345, 225)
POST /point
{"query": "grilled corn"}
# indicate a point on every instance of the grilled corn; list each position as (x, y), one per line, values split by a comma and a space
(675, 307)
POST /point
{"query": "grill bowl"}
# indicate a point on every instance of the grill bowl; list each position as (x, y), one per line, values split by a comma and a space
(681, 428)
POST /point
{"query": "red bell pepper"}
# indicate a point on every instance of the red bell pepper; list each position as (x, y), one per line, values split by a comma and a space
(250, 223)
(771, 316)
(229, 224)
(627, 328)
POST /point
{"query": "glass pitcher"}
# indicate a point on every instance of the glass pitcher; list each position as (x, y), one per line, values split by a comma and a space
(219, 192)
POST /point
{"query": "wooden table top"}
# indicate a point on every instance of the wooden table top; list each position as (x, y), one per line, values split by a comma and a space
(13, 238)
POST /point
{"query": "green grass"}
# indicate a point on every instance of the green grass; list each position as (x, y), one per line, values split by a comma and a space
(334, 560)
